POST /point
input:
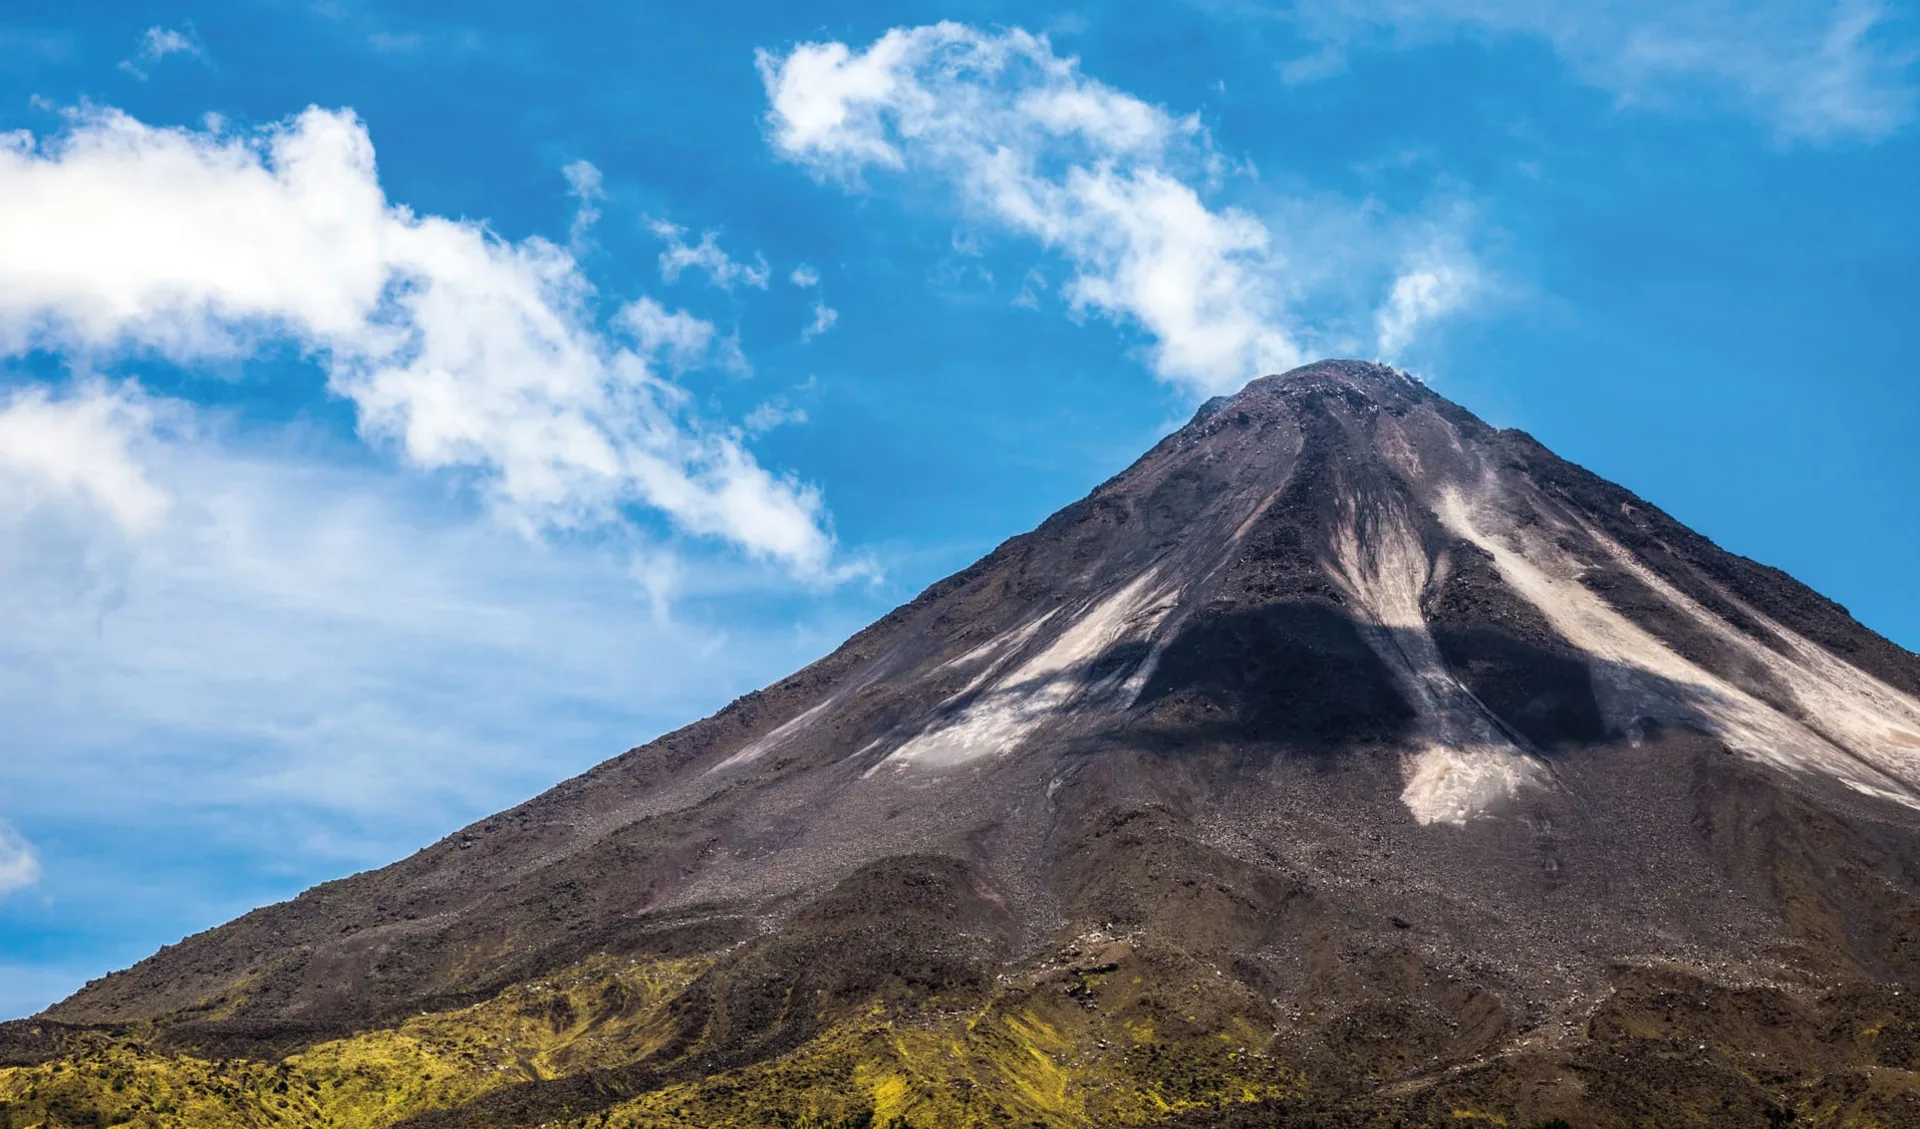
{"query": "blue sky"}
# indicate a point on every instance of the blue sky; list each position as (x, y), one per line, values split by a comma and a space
(401, 412)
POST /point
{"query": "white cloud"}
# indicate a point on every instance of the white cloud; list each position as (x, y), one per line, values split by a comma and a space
(367, 648)
(1431, 285)
(19, 864)
(677, 335)
(678, 338)
(79, 449)
(230, 660)
(1816, 70)
(721, 269)
(466, 351)
(588, 189)
(824, 318)
(774, 413)
(1031, 284)
(300, 668)
(1115, 185)
(158, 43)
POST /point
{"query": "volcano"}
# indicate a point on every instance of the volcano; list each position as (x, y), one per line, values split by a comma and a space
(1344, 761)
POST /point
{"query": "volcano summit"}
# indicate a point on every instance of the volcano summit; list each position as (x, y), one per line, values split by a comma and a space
(1344, 761)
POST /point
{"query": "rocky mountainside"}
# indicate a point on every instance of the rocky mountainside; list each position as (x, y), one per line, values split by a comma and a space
(1344, 761)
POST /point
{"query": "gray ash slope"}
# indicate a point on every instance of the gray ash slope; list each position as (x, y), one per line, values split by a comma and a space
(1432, 740)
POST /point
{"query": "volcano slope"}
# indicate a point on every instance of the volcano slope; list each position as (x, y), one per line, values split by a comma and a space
(1344, 761)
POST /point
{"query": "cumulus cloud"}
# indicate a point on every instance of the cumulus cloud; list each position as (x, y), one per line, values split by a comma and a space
(19, 863)
(158, 43)
(1118, 187)
(720, 268)
(1817, 70)
(465, 351)
(1101, 177)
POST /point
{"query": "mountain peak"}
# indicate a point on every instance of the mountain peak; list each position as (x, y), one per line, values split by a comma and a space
(1358, 373)
(1371, 379)
(1338, 715)
(1364, 381)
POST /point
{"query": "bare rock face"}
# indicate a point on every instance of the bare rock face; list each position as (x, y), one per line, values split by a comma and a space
(1471, 777)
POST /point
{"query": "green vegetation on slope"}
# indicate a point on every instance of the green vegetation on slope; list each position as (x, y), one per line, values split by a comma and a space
(1063, 1047)
(1034, 1056)
(1106, 1036)
(598, 1014)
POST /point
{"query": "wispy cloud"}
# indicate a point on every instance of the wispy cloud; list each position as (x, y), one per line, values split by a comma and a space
(466, 352)
(395, 42)
(19, 863)
(678, 339)
(588, 189)
(825, 317)
(706, 256)
(772, 414)
(345, 626)
(77, 449)
(308, 665)
(1115, 185)
(1434, 281)
(1815, 70)
(158, 43)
